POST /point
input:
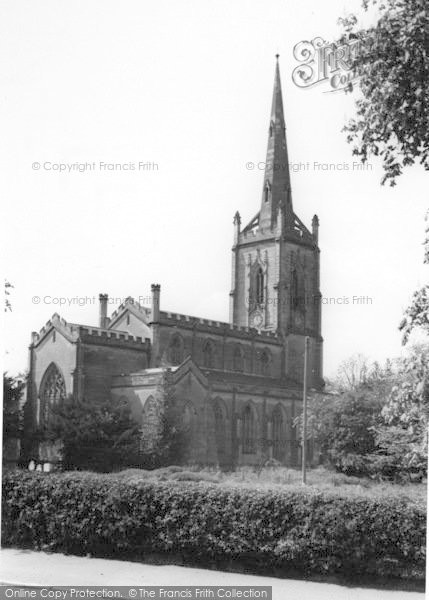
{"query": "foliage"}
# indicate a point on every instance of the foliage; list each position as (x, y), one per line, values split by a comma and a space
(342, 427)
(352, 372)
(7, 288)
(402, 438)
(320, 479)
(104, 436)
(356, 372)
(13, 388)
(296, 532)
(393, 67)
(169, 442)
(174, 435)
(379, 428)
(99, 435)
(417, 314)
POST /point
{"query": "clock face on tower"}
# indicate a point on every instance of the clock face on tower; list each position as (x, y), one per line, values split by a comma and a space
(256, 320)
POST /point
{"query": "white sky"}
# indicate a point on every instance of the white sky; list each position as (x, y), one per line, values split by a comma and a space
(186, 84)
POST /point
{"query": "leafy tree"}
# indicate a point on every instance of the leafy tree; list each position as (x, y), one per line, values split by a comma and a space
(357, 373)
(99, 436)
(352, 373)
(104, 436)
(417, 314)
(167, 444)
(13, 388)
(393, 66)
(346, 423)
(402, 437)
(342, 427)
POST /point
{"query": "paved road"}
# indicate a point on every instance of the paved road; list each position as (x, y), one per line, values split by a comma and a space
(25, 567)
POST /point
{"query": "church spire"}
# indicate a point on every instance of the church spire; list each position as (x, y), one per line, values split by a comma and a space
(276, 191)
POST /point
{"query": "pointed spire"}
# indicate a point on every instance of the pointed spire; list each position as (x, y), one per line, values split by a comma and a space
(276, 188)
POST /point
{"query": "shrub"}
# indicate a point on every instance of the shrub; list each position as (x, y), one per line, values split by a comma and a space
(96, 436)
(298, 532)
(193, 476)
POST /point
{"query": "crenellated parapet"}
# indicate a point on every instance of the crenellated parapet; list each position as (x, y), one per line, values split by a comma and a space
(216, 327)
(255, 235)
(95, 335)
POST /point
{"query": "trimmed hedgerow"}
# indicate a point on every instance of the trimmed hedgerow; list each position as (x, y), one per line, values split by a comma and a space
(296, 531)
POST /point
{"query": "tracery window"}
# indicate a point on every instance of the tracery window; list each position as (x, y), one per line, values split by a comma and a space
(52, 392)
(264, 363)
(278, 433)
(176, 350)
(249, 431)
(238, 360)
(208, 355)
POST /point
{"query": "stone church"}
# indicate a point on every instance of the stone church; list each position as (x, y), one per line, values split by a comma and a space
(238, 384)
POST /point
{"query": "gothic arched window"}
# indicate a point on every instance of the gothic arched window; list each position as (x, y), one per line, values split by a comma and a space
(278, 433)
(208, 355)
(187, 417)
(264, 361)
(260, 291)
(249, 431)
(219, 418)
(220, 426)
(52, 392)
(150, 426)
(176, 350)
(238, 360)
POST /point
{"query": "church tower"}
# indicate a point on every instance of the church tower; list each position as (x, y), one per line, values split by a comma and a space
(275, 260)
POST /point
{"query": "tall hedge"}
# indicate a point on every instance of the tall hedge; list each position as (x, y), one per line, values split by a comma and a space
(288, 531)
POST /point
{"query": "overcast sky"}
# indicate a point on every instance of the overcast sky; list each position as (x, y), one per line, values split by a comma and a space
(186, 85)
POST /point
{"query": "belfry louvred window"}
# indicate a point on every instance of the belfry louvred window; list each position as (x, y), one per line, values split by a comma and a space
(260, 286)
(295, 290)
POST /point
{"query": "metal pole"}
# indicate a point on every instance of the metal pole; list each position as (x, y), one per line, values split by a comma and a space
(304, 413)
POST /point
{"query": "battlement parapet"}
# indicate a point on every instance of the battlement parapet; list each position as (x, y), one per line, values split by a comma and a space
(113, 337)
(256, 234)
(218, 327)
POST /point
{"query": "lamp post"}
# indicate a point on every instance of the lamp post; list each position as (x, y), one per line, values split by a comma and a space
(304, 412)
